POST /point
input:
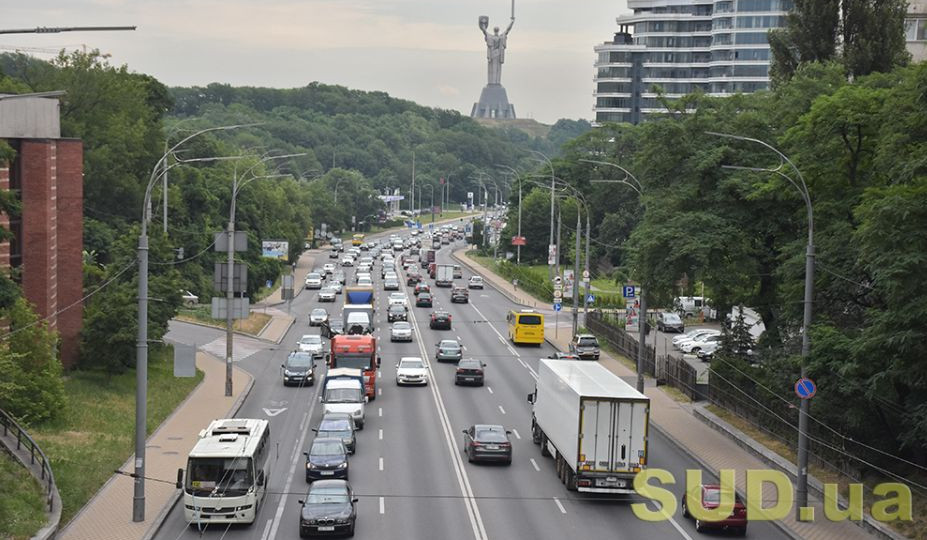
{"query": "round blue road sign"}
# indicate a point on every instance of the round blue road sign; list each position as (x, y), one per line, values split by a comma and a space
(805, 388)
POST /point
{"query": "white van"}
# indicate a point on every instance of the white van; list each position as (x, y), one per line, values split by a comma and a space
(692, 306)
(344, 395)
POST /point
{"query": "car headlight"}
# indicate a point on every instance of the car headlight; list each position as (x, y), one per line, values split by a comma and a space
(342, 521)
(343, 465)
(310, 465)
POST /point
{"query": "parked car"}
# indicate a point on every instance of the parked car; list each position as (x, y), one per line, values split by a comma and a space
(460, 294)
(670, 322)
(299, 369)
(585, 346)
(401, 331)
(423, 300)
(469, 371)
(411, 370)
(397, 312)
(189, 299)
(328, 509)
(448, 349)
(440, 320)
(485, 442)
(312, 344)
(327, 458)
(695, 345)
(313, 281)
(318, 316)
(341, 426)
(693, 334)
(710, 497)
(475, 282)
(327, 294)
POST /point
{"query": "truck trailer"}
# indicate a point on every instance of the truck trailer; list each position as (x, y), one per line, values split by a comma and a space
(444, 275)
(592, 423)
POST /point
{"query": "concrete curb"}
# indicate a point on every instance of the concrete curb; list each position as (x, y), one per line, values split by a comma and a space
(767, 456)
(282, 334)
(158, 520)
(204, 325)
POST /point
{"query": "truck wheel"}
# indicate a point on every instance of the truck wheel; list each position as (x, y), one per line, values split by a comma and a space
(570, 479)
(535, 433)
(544, 451)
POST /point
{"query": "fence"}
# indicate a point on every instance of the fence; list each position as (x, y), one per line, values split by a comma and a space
(670, 370)
(35, 453)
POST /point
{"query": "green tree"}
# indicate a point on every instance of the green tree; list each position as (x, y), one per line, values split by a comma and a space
(873, 36)
(810, 35)
(30, 373)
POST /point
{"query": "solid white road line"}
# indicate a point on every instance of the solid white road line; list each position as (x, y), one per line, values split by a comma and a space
(560, 506)
(266, 529)
(535, 465)
(672, 521)
(382, 505)
(489, 388)
(515, 432)
(289, 478)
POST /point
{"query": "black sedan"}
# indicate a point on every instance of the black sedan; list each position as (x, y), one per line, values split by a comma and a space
(440, 320)
(397, 312)
(469, 371)
(423, 300)
(327, 458)
(328, 509)
(460, 294)
(486, 442)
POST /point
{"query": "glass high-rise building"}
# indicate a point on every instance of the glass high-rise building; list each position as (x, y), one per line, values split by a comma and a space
(719, 47)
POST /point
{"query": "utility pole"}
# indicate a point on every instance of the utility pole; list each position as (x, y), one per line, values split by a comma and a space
(412, 195)
(230, 293)
(642, 339)
(518, 247)
(587, 276)
(559, 222)
(576, 273)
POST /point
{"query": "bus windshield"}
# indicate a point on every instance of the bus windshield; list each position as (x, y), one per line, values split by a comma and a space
(356, 361)
(529, 319)
(224, 476)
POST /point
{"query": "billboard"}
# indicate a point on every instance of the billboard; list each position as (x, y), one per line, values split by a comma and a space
(275, 249)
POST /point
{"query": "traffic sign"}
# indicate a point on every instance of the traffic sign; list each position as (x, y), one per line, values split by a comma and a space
(558, 294)
(585, 274)
(558, 280)
(590, 299)
(628, 291)
(557, 306)
(805, 388)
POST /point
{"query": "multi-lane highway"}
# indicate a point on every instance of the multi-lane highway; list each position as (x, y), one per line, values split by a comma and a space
(409, 473)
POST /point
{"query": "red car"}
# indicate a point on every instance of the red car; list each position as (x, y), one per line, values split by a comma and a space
(711, 498)
(421, 287)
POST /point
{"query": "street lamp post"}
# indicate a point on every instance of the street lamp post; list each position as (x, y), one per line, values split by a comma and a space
(141, 345)
(517, 246)
(801, 491)
(550, 270)
(642, 319)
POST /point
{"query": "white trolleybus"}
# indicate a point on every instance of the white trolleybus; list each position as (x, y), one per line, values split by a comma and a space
(226, 476)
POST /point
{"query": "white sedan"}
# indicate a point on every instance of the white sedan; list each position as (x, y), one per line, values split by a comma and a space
(398, 298)
(695, 345)
(696, 333)
(411, 370)
(312, 344)
(327, 294)
(401, 331)
(329, 268)
(347, 261)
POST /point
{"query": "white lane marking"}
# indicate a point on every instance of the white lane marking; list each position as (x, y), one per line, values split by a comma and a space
(379, 374)
(463, 480)
(302, 423)
(289, 479)
(511, 350)
(501, 409)
(560, 506)
(380, 411)
(266, 529)
(489, 388)
(672, 521)
(535, 465)
(381, 464)
(380, 391)
(382, 505)
(381, 435)
(515, 432)
(490, 325)
(459, 338)
(464, 347)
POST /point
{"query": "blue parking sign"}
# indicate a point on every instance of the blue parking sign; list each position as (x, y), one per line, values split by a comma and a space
(628, 291)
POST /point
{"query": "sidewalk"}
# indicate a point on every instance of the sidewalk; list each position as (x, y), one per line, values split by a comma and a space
(108, 515)
(676, 420)
(306, 262)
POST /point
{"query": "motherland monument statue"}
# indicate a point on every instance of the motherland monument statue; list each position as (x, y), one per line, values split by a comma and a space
(494, 102)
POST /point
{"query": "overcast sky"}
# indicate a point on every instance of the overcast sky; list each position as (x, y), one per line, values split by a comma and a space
(429, 51)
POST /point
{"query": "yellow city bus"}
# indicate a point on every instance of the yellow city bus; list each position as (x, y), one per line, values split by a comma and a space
(526, 326)
(357, 240)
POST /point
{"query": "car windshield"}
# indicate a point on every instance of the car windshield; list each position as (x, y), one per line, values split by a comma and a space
(327, 498)
(532, 320)
(326, 448)
(314, 276)
(476, 278)
(588, 342)
(343, 395)
(449, 344)
(402, 326)
(469, 364)
(714, 496)
(299, 360)
(671, 318)
(425, 296)
(311, 340)
(335, 424)
(226, 475)
(396, 308)
(490, 435)
(411, 364)
(318, 312)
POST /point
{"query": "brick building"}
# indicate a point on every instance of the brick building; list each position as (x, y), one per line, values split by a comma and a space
(45, 256)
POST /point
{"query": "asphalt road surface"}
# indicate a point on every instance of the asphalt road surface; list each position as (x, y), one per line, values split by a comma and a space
(409, 472)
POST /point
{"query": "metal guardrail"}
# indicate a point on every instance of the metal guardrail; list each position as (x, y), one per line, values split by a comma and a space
(35, 453)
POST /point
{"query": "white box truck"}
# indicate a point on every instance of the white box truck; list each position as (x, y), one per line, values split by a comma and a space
(444, 275)
(594, 425)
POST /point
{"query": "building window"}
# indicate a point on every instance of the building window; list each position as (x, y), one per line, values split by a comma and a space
(750, 38)
(612, 117)
(915, 29)
(764, 5)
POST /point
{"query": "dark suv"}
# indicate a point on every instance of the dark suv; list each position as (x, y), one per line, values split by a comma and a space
(585, 346)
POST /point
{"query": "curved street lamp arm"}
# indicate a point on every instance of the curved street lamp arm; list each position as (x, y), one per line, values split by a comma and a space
(639, 188)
